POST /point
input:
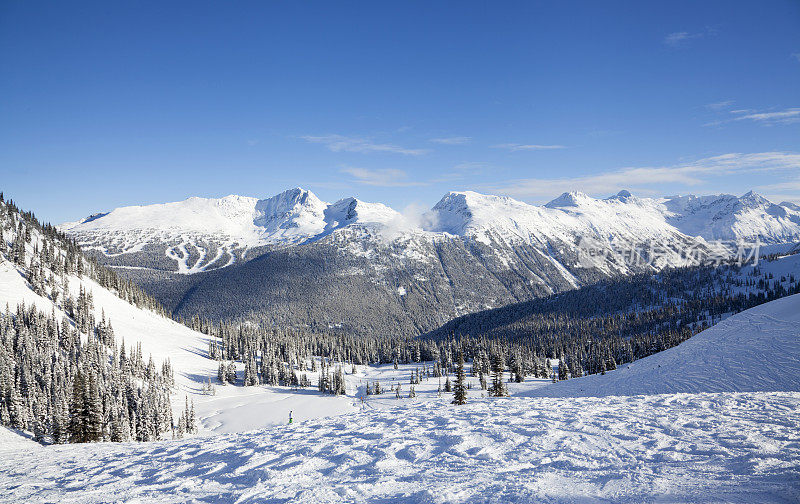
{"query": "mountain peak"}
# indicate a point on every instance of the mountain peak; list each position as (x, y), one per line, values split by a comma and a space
(570, 199)
(292, 209)
(755, 198)
(350, 210)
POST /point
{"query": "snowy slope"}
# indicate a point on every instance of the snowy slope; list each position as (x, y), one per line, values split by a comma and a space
(232, 409)
(13, 441)
(755, 350)
(673, 448)
(160, 337)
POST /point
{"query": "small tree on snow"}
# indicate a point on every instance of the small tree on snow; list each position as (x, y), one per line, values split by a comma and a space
(460, 390)
(498, 388)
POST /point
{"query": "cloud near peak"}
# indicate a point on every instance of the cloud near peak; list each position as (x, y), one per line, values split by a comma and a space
(649, 179)
(384, 177)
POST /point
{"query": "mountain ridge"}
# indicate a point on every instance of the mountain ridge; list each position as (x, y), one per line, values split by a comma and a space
(366, 268)
(236, 223)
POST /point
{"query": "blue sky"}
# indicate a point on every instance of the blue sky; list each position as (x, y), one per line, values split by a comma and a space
(108, 104)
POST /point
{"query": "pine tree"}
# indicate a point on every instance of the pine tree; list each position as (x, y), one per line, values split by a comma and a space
(498, 388)
(563, 372)
(93, 410)
(250, 375)
(460, 390)
(77, 428)
(338, 382)
(222, 373)
(231, 377)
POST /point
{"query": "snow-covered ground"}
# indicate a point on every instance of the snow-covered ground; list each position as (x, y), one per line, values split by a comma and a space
(755, 350)
(663, 448)
(673, 447)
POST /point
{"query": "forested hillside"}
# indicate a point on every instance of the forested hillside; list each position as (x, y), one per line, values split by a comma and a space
(593, 329)
(63, 373)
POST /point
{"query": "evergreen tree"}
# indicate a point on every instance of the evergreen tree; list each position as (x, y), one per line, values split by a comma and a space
(231, 377)
(460, 390)
(498, 388)
(93, 410)
(77, 426)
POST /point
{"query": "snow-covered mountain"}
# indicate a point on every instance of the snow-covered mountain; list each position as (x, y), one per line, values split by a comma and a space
(289, 259)
(200, 234)
(623, 216)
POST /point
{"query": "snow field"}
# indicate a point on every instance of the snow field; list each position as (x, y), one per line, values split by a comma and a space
(755, 350)
(676, 448)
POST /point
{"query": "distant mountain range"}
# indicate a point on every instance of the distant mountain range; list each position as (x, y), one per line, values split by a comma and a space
(363, 267)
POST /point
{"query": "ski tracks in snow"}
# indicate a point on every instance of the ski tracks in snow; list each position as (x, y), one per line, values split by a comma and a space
(678, 447)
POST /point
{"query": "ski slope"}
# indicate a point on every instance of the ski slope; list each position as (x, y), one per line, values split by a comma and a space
(663, 448)
(160, 337)
(232, 409)
(755, 350)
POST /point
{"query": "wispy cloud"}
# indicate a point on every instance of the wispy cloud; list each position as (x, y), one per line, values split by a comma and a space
(787, 185)
(341, 143)
(796, 56)
(651, 179)
(722, 105)
(385, 177)
(458, 140)
(787, 116)
(683, 39)
(678, 39)
(513, 147)
(463, 170)
(769, 118)
(788, 190)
